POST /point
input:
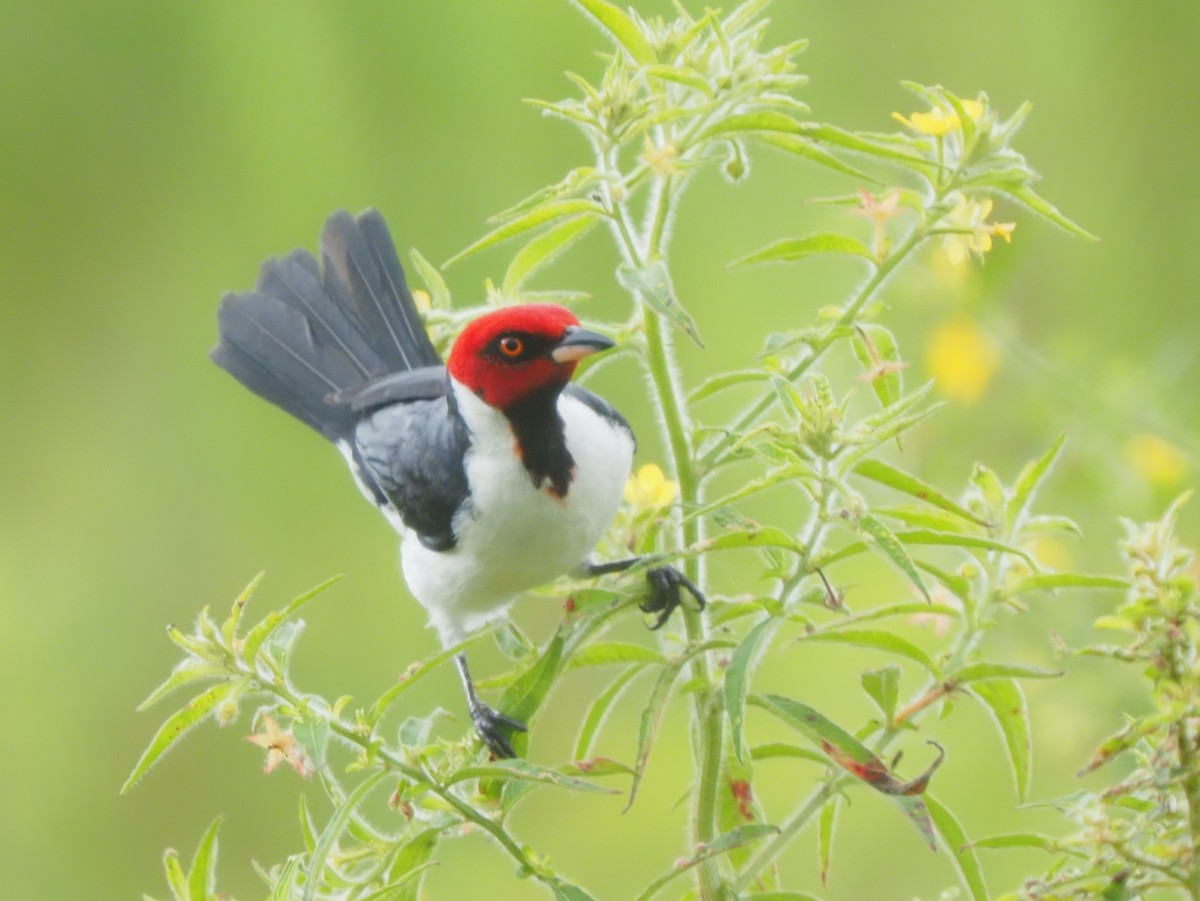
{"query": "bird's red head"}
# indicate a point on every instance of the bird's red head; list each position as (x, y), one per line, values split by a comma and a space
(506, 355)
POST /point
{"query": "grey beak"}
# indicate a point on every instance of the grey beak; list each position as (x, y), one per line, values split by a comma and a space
(577, 343)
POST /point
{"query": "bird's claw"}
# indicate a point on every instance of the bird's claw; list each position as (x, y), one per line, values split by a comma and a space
(665, 584)
(489, 725)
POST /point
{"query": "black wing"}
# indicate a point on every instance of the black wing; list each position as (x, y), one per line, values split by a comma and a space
(412, 452)
(599, 406)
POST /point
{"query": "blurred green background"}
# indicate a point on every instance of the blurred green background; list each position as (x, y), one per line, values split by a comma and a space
(154, 153)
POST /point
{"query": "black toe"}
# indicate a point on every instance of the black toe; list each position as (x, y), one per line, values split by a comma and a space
(490, 725)
(666, 593)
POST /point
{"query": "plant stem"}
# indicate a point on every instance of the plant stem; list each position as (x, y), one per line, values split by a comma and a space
(914, 237)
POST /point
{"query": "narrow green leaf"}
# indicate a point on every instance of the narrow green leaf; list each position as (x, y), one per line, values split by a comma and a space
(652, 283)
(652, 714)
(722, 844)
(919, 517)
(202, 878)
(538, 216)
(1034, 201)
(755, 537)
(883, 540)
(543, 249)
(804, 147)
(176, 726)
(600, 653)
(565, 891)
(308, 826)
(622, 28)
(906, 483)
(175, 876)
(404, 888)
(958, 585)
(753, 121)
(876, 349)
(525, 771)
(1051, 581)
(687, 77)
(918, 814)
(439, 294)
(229, 627)
(411, 862)
(599, 710)
(1005, 701)
(975, 672)
(825, 832)
(1028, 482)
(958, 846)
(908, 608)
(188, 671)
(883, 687)
(888, 642)
(738, 674)
(333, 829)
(869, 145)
(791, 249)
(263, 629)
(1037, 525)
(415, 672)
(776, 749)
(719, 383)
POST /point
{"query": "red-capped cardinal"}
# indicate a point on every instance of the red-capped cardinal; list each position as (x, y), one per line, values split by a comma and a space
(498, 473)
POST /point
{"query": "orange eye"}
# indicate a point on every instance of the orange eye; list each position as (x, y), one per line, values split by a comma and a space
(511, 347)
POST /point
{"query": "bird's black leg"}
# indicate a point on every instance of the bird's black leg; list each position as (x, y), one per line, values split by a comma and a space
(488, 721)
(666, 584)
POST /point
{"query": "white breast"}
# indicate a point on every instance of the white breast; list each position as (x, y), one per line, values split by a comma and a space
(513, 536)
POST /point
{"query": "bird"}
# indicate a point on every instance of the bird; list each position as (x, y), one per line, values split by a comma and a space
(498, 471)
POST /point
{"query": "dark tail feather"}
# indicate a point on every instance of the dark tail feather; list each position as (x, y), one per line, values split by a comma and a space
(304, 335)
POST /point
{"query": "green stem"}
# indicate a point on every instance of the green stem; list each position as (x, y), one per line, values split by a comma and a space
(714, 451)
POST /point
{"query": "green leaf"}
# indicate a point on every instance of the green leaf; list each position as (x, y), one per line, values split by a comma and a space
(868, 145)
(975, 672)
(263, 629)
(754, 537)
(958, 585)
(202, 879)
(1051, 581)
(825, 831)
(883, 687)
(543, 249)
(888, 642)
(776, 749)
(962, 853)
(188, 671)
(229, 627)
(1028, 482)
(882, 539)
(803, 147)
(738, 674)
(525, 771)
(415, 672)
(1005, 701)
(565, 891)
(790, 249)
(1027, 840)
(652, 283)
(906, 483)
(877, 351)
(599, 710)
(175, 876)
(411, 862)
(622, 28)
(405, 888)
(538, 216)
(600, 653)
(652, 714)
(918, 517)
(722, 844)
(439, 294)
(918, 814)
(724, 380)
(1031, 199)
(325, 842)
(177, 725)
(753, 121)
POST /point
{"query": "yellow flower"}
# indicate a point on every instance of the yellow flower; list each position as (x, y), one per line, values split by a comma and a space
(972, 233)
(961, 359)
(1156, 459)
(649, 489)
(936, 122)
(972, 108)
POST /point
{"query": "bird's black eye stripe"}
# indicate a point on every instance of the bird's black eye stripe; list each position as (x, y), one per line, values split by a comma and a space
(516, 347)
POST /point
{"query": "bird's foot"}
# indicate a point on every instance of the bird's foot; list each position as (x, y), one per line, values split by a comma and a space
(490, 724)
(666, 593)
